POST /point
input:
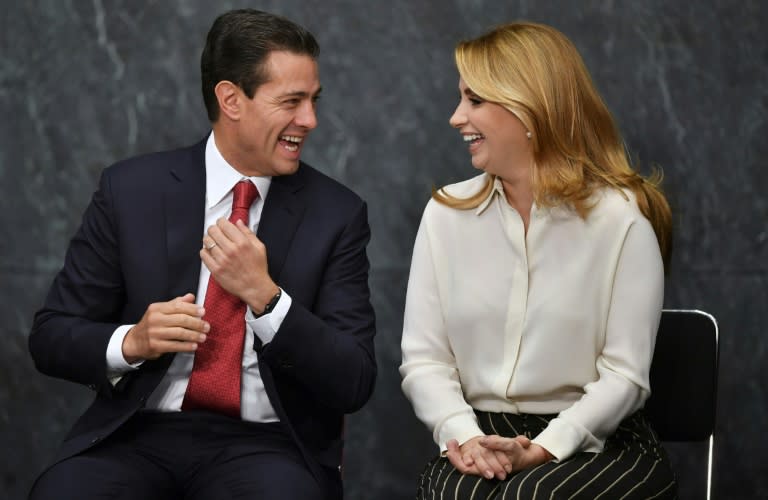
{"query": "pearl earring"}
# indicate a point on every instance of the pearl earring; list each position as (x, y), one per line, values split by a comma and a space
(529, 135)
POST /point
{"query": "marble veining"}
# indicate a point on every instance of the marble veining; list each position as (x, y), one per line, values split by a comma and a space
(84, 84)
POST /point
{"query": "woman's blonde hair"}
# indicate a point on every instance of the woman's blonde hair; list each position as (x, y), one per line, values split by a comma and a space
(536, 73)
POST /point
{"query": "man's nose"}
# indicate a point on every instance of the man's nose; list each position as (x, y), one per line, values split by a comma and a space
(307, 117)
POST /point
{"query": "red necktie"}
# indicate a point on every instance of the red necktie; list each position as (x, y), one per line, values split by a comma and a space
(214, 383)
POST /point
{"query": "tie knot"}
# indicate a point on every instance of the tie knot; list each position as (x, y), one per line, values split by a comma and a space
(245, 193)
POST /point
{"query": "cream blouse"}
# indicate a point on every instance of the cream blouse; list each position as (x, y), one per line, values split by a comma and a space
(559, 321)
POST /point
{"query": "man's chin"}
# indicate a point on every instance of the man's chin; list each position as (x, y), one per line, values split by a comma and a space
(286, 167)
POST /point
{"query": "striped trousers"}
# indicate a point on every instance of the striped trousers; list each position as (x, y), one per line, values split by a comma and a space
(633, 465)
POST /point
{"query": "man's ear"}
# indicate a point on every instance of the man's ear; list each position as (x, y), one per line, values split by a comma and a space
(230, 98)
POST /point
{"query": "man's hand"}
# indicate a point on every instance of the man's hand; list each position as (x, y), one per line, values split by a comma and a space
(237, 260)
(175, 326)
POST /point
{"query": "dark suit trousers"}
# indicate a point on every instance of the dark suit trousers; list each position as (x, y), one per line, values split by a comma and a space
(185, 455)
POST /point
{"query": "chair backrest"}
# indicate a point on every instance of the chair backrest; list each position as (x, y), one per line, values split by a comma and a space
(684, 380)
(684, 376)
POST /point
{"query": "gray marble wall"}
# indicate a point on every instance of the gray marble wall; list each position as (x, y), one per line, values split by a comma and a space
(85, 83)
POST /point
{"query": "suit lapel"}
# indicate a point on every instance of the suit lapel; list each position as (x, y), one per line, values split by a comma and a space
(283, 210)
(185, 217)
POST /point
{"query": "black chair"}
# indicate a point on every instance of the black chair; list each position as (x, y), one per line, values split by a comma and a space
(684, 379)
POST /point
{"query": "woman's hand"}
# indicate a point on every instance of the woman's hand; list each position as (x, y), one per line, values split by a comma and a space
(521, 453)
(473, 458)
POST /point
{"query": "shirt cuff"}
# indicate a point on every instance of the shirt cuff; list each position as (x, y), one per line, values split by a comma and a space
(265, 327)
(116, 363)
(461, 427)
(562, 439)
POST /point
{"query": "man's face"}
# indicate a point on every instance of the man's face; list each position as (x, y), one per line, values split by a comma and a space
(275, 122)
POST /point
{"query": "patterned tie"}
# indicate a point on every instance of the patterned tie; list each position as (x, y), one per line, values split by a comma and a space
(214, 383)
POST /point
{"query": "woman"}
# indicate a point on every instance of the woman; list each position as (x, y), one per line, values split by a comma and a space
(536, 289)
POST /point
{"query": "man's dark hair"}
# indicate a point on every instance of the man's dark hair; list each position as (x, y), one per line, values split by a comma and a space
(237, 48)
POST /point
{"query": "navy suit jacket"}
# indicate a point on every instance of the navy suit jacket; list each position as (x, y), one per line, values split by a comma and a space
(139, 243)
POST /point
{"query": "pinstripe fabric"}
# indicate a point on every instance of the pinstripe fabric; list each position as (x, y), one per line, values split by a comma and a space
(633, 465)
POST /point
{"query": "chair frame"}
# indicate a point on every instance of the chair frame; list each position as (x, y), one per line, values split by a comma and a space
(698, 431)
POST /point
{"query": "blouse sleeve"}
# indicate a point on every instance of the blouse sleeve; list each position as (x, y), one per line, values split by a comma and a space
(430, 376)
(623, 365)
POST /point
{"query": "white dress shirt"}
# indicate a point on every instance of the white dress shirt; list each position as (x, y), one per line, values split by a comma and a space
(561, 320)
(169, 394)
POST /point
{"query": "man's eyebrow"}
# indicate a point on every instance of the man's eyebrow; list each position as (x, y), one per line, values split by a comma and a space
(301, 94)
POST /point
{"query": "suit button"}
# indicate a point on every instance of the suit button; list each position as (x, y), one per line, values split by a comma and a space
(92, 387)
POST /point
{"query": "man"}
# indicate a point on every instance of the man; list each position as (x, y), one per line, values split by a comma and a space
(155, 324)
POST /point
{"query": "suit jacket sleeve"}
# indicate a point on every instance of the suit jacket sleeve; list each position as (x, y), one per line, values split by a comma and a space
(71, 331)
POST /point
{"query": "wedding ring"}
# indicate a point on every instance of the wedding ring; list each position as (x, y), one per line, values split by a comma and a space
(211, 246)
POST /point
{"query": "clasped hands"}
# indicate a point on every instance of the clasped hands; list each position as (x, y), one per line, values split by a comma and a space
(237, 260)
(495, 456)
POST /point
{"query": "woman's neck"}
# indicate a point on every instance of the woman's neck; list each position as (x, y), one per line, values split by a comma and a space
(518, 190)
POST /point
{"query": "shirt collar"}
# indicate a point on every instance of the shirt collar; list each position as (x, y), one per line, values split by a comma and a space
(221, 177)
(498, 189)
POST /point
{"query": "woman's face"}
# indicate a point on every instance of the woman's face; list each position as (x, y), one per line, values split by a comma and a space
(496, 138)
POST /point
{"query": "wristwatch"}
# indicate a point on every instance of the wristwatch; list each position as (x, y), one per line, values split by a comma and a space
(270, 305)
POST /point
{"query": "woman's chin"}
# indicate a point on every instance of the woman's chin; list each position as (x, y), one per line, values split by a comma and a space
(478, 164)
